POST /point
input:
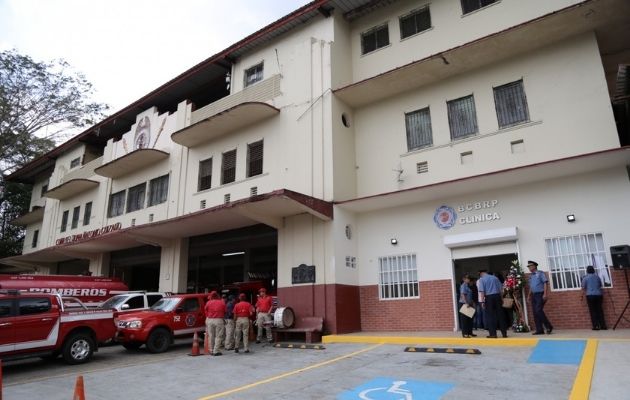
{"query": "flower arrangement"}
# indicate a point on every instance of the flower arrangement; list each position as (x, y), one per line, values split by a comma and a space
(514, 281)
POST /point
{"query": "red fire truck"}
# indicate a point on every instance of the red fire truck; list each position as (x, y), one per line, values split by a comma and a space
(91, 290)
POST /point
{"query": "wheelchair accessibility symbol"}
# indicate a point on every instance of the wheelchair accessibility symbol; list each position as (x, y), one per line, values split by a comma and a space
(397, 389)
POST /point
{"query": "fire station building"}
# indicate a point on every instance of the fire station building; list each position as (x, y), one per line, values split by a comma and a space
(361, 156)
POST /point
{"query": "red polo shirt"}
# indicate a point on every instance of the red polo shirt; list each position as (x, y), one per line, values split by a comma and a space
(242, 309)
(215, 309)
(263, 304)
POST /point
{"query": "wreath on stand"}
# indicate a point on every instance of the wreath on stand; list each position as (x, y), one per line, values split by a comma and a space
(512, 289)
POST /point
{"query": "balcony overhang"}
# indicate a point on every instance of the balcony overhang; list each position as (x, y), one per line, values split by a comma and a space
(550, 28)
(29, 218)
(71, 188)
(224, 122)
(519, 176)
(131, 162)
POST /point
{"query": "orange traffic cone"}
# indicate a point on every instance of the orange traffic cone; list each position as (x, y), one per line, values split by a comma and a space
(79, 393)
(206, 345)
(195, 346)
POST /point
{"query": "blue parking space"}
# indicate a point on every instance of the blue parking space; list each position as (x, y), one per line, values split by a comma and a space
(558, 352)
(383, 388)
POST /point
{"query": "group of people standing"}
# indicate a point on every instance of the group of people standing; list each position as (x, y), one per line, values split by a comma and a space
(228, 320)
(486, 297)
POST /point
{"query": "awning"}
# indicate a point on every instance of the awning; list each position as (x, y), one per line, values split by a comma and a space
(131, 162)
(227, 121)
(71, 188)
(29, 218)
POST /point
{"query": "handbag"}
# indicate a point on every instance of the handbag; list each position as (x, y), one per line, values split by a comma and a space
(508, 302)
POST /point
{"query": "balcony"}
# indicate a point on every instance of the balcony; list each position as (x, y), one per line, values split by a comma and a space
(131, 162)
(75, 182)
(230, 113)
(605, 18)
(37, 215)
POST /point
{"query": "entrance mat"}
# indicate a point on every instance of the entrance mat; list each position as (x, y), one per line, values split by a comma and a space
(441, 350)
(383, 388)
(299, 346)
(558, 352)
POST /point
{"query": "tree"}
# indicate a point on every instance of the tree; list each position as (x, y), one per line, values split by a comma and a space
(40, 102)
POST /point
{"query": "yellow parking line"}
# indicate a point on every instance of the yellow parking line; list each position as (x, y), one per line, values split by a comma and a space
(582, 384)
(286, 374)
(412, 340)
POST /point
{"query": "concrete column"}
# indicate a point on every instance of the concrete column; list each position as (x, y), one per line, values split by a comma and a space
(174, 266)
(99, 265)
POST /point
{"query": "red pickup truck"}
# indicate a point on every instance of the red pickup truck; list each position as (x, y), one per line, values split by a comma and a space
(39, 325)
(170, 317)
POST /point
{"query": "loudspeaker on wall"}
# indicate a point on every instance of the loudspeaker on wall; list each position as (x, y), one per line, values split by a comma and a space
(620, 256)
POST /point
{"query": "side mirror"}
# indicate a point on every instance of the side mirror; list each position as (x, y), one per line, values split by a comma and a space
(124, 307)
(179, 310)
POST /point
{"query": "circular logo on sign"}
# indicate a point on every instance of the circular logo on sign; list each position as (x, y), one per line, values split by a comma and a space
(190, 320)
(445, 217)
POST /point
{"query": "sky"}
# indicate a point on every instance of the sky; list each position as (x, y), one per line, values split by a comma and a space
(127, 48)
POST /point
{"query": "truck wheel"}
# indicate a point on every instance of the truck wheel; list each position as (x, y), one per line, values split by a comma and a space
(78, 348)
(159, 341)
(132, 345)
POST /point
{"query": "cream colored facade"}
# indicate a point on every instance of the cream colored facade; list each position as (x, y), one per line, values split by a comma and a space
(332, 121)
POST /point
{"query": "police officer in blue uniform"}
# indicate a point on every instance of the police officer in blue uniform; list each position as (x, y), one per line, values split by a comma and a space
(490, 297)
(538, 289)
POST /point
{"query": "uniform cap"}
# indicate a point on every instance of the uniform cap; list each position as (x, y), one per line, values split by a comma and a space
(242, 297)
(534, 263)
(262, 290)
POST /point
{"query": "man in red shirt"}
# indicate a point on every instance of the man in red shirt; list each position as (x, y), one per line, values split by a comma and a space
(243, 310)
(263, 315)
(215, 326)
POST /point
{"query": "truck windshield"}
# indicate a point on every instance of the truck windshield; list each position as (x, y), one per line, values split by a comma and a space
(114, 302)
(166, 304)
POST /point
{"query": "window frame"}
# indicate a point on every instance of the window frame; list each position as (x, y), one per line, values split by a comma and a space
(204, 182)
(116, 204)
(35, 238)
(136, 197)
(225, 169)
(374, 30)
(414, 13)
(64, 220)
(452, 117)
(567, 265)
(75, 162)
(256, 71)
(514, 110)
(87, 213)
(429, 143)
(158, 194)
(76, 215)
(479, 7)
(395, 285)
(253, 158)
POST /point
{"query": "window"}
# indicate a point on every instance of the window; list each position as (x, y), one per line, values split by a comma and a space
(44, 190)
(76, 212)
(135, 198)
(375, 38)
(568, 257)
(158, 190)
(253, 74)
(64, 220)
(462, 117)
(419, 132)
(398, 277)
(228, 167)
(75, 162)
(415, 22)
(33, 305)
(87, 213)
(134, 303)
(190, 305)
(5, 307)
(255, 158)
(116, 204)
(472, 5)
(35, 238)
(511, 104)
(205, 175)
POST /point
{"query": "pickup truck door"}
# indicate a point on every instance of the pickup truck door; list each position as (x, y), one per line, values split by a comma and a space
(7, 333)
(188, 317)
(36, 323)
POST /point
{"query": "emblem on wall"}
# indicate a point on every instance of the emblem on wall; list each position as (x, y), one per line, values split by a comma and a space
(445, 217)
(143, 134)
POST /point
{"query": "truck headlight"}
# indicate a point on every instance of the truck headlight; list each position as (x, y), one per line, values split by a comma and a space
(134, 324)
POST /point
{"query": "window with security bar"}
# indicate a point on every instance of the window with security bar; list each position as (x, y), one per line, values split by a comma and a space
(398, 277)
(375, 38)
(255, 158)
(511, 104)
(462, 117)
(418, 126)
(135, 197)
(473, 5)
(158, 190)
(568, 257)
(205, 175)
(254, 74)
(228, 167)
(415, 22)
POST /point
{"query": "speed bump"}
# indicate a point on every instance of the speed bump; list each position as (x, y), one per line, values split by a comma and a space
(441, 350)
(299, 346)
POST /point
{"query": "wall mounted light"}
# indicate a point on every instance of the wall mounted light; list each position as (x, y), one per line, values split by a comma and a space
(571, 218)
(393, 241)
(236, 253)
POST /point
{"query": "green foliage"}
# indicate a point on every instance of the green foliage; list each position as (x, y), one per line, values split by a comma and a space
(39, 103)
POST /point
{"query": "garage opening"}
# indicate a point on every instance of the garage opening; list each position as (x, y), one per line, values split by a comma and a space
(221, 260)
(138, 267)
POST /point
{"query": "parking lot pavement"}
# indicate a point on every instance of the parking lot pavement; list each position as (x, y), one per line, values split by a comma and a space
(340, 371)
